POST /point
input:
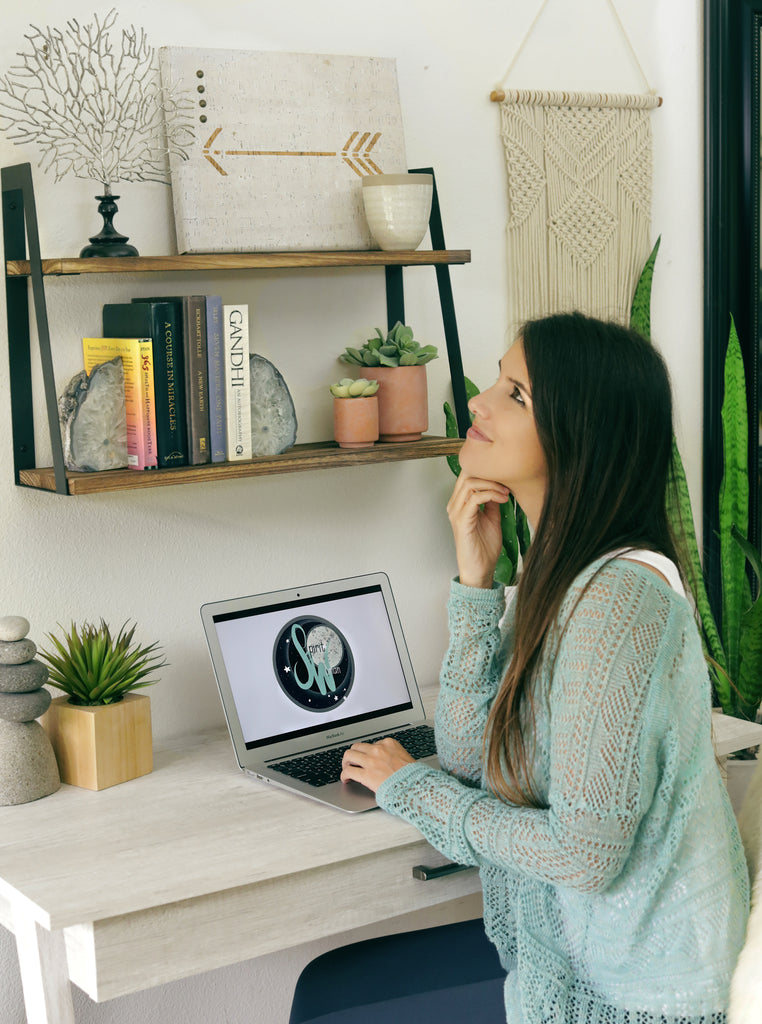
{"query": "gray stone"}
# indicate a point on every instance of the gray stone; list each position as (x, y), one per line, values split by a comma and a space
(273, 416)
(13, 627)
(23, 678)
(24, 707)
(28, 769)
(93, 419)
(16, 652)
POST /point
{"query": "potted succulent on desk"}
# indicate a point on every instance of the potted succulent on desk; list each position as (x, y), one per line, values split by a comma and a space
(100, 729)
(398, 363)
(355, 412)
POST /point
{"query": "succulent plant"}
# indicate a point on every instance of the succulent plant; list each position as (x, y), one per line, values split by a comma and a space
(348, 388)
(93, 667)
(397, 348)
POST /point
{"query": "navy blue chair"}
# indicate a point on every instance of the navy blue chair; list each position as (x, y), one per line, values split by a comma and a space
(443, 975)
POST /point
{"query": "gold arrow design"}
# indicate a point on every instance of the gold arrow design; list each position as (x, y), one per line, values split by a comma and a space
(355, 152)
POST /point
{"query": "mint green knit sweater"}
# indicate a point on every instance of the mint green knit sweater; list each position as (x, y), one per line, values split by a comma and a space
(624, 899)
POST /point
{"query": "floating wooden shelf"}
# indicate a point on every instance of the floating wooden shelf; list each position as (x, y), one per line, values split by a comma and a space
(239, 261)
(322, 455)
(24, 267)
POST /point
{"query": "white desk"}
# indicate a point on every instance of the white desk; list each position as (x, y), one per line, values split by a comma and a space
(192, 867)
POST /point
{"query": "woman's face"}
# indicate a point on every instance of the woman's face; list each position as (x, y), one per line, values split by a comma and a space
(502, 444)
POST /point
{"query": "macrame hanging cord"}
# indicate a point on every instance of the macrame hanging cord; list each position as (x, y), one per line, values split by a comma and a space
(579, 169)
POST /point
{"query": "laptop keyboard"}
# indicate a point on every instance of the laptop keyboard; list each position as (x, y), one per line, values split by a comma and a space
(324, 766)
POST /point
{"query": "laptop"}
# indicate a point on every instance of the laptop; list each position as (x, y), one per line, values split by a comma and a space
(303, 673)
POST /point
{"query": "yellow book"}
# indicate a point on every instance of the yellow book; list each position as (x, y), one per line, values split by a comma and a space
(137, 358)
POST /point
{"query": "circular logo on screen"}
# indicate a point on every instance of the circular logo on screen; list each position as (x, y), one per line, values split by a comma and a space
(313, 663)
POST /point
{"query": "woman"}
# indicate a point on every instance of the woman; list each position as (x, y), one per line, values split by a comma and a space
(575, 736)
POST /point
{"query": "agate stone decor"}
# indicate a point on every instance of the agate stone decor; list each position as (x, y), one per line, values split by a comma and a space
(93, 417)
(273, 416)
(28, 769)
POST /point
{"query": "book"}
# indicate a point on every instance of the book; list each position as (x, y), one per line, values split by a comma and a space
(216, 374)
(196, 374)
(137, 358)
(162, 322)
(235, 321)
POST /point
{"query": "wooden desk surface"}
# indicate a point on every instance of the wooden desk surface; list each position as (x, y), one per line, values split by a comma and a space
(197, 865)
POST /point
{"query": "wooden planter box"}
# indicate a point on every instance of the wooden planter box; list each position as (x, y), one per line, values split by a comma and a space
(98, 747)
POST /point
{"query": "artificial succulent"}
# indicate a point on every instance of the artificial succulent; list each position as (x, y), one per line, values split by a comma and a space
(397, 348)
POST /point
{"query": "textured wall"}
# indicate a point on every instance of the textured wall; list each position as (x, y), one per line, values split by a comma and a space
(157, 556)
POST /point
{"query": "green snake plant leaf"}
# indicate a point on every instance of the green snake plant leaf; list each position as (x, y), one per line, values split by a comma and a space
(750, 676)
(451, 430)
(734, 503)
(522, 529)
(749, 690)
(640, 311)
(505, 570)
(751, 553)
(451, 423)
(510, 536)
(681, 516)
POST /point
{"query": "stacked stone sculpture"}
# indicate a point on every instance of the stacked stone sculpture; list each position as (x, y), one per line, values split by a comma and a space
(28, 768)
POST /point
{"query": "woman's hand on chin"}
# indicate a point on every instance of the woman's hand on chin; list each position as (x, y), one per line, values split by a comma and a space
(474, 513)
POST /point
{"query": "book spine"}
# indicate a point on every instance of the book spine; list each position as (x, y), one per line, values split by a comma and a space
(196, 378)
(101, 350)
(148, 404)
(216, 366)
(169, 383)
(237, 381)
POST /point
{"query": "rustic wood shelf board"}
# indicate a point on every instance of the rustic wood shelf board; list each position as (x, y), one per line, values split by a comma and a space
(24, 266)
(239, 261)
(321, 455)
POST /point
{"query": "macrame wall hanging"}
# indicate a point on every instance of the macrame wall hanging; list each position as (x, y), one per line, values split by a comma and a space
(579, 171)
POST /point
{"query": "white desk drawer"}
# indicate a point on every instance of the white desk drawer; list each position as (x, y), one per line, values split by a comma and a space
(136, 951)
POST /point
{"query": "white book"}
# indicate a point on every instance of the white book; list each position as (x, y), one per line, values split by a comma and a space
(235, 324)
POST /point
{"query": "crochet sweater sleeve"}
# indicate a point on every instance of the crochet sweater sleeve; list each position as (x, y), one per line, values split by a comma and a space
(595, 789)
(471, 674)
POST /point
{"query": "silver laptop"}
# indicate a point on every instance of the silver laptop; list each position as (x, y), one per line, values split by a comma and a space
(303, 673)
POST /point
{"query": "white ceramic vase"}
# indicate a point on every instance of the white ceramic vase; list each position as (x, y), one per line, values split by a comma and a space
(397, 208)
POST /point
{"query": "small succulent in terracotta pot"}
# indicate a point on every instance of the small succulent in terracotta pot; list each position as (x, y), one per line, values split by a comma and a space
(355, 412)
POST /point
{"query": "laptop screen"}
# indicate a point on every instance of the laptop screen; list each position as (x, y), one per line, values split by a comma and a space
(295, 667)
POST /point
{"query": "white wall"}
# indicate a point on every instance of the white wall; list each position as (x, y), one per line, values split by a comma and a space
(156, 556)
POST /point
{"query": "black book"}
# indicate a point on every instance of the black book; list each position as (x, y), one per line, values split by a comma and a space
(196, 373)
(162, 323)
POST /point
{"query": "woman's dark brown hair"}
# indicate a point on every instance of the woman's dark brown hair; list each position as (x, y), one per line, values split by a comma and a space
(603, 410)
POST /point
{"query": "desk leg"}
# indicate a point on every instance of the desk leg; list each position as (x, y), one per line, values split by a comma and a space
(44, 972)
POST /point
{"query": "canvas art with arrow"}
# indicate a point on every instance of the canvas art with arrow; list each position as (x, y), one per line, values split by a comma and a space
(282, 142)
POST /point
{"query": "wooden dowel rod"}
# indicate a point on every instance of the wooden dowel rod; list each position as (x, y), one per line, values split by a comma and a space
(498, 95)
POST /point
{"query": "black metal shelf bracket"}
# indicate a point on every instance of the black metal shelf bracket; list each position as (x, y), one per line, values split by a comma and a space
(20, 229)
(395, 307)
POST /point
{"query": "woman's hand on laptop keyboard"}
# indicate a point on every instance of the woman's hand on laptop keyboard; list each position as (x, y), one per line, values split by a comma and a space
(370, 764)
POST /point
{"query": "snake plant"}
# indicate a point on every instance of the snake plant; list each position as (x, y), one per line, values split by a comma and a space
(734, 647)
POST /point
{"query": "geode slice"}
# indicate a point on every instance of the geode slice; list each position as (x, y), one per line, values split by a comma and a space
(273, 416)
(94, 419)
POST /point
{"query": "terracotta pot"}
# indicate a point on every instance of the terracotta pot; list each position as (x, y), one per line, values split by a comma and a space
(355, 421)
(403, 405)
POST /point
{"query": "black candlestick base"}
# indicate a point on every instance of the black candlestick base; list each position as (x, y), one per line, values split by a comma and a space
(108, 241)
